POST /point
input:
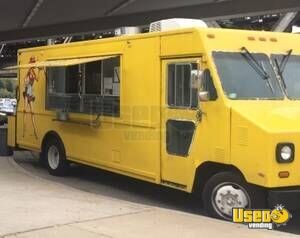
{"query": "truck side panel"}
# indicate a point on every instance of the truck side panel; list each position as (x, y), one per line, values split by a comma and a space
(129, 144)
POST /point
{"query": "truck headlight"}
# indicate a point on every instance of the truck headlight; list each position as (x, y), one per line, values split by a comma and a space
(285, 152)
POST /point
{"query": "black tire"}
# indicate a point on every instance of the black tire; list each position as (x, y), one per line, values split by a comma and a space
(55, 147)
(256, 196)
(42, 160)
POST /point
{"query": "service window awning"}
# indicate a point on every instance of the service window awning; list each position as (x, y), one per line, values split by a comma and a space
(59, 62)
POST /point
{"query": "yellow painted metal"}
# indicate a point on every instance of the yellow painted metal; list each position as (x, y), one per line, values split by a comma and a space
(11, 135)
(205, 143)
(243, 134)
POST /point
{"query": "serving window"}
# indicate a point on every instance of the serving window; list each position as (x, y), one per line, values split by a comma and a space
(90, 87)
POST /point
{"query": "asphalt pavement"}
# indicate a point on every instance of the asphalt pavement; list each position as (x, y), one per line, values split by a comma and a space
(122, 188)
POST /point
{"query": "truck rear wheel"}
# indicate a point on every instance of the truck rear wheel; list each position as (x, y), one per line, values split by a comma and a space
(227, 190)
(55, 155)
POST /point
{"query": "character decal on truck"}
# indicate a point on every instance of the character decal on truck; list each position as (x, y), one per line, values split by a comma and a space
(29, 97)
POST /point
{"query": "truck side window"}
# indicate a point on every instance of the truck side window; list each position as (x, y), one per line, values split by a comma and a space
(93, 72)
(111, 87)
(179, 137)
(182, 88)
(56, 80)
(111, 77)
(63, 79)
(62, 88)
(90, 88)
(73, 78)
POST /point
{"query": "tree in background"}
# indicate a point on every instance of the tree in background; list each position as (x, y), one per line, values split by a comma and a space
(5, 94)
(9, 86)
(2, 84)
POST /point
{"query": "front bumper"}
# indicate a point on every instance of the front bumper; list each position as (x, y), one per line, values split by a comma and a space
(289, 198)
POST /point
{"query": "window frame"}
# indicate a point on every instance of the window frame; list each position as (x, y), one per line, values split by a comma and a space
(185, 62)
(103, 97)
(84, 86)
(190, 139)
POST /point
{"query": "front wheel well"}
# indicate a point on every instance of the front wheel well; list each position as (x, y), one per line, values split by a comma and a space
(206, 170)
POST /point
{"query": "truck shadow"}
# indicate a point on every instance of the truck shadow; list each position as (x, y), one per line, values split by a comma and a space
(105, 183)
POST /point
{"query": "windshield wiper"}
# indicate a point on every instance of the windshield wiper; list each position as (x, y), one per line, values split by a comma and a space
(285, 60)
(281, 67)
(259, 68)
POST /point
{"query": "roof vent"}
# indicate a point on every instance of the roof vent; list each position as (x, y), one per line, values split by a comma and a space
(127, 31)
(296, 30)
(176, 23)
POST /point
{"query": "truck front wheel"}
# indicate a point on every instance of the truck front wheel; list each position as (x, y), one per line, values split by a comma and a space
(227, 190)
(55, 154)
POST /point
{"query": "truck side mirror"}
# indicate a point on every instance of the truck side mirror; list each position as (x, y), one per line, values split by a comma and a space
(203, 96)
(207, 90)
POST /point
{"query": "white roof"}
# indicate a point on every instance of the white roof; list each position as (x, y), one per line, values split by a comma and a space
(176, 23)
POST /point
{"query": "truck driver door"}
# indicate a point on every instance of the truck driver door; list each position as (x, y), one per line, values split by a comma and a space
(180, 84)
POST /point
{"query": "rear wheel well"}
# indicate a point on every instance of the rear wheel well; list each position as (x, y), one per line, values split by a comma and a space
(206, 170)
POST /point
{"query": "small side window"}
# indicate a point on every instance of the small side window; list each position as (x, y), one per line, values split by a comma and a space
(182, 85)
(179, 137)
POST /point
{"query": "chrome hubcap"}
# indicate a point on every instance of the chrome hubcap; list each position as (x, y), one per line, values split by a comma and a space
(227, 196)
(53, 157)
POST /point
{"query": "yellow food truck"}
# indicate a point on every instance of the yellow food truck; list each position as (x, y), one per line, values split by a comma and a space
(214, 112)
